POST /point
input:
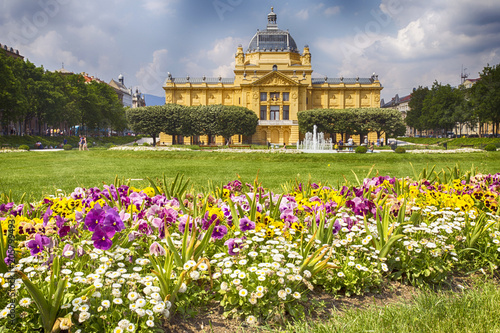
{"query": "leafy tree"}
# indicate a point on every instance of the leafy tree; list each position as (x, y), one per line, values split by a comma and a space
(149, 120)
(416, 104)
(175, 123)
(388, 121)
(439, 106)
(204, 120)
(10, 90)
(485, 96)
(234, 120)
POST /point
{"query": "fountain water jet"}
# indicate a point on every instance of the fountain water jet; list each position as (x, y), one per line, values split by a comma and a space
(316, 143)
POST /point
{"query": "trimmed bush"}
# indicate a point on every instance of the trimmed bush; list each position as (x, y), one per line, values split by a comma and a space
(361, 150)
(145, 144)
(400, 150)
(24, 147)
(490, 147)
(135, 144)
(109, 145)
(67, 147)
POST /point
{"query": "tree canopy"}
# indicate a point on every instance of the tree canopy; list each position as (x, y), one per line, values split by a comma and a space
(29, 92)
(442, 107)
(210, 120)
(352, 121)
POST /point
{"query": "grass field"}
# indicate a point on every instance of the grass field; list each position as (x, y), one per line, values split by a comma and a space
(475, 310)
(472, 310)
(37, 173)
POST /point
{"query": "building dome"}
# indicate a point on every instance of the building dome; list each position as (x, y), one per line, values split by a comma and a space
(272, 39)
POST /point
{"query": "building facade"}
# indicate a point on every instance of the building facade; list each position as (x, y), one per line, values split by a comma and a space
(402, 104)
(273, 79)
(11, 52)
(124, 93)
(138, 99)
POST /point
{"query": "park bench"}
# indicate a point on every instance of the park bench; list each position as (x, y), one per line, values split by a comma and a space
(208, 146)
(239, 146)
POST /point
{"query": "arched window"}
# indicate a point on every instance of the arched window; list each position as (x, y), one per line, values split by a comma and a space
(275, 68)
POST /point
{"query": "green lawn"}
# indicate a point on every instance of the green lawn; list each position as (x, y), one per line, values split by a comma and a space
(38, 173)
(471, 310)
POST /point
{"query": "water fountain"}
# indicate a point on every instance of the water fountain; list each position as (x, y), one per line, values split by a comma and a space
(316, 143)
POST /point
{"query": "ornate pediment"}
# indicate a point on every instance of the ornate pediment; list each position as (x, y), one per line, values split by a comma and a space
(275, 79)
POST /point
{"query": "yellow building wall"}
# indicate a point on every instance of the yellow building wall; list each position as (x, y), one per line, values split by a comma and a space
(254, 74)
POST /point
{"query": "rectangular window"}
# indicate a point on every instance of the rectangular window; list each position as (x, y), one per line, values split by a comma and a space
(275, 96)
(286, 97)
(263, 112)
(275, 113)
(263, 96)
(286, 112)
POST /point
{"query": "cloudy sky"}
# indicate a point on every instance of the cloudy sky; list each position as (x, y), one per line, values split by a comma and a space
(406, 42)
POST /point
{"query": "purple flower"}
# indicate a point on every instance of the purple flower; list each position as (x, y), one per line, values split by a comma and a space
(157, 250)
(94, 217)
(232, 245)
(10, 256)
(63, 230)
(170, 216)
(80, 251)
(68, 247)
(133, 235)
(6, 207)
(46, 216)
(112, 219)
(37, 245)
(336, 227)
(102, 237)
(144, 228)
(182, 223)
(246, 224)
(219, 232)
(208, 220)
(288, 216)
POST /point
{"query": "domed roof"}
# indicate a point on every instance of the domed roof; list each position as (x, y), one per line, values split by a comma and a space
(272, 39)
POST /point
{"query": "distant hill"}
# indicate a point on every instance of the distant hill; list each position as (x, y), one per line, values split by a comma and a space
(154, 100)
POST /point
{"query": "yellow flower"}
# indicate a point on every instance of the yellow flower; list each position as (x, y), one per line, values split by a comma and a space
(149, 191)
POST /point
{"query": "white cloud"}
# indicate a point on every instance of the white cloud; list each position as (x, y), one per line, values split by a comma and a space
(430, 43)
(330, 11)
(158, 6)
(50, 47)
(303, 14)
(151, 76)
(219, 60)
(224, 70)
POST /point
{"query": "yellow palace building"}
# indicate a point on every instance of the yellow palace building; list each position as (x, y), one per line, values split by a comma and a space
(273, 79)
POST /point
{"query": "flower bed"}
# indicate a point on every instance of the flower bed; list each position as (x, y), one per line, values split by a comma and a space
(123, 259)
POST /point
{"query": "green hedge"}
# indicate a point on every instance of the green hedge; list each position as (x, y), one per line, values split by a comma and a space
(360, 150)
(490, 147)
